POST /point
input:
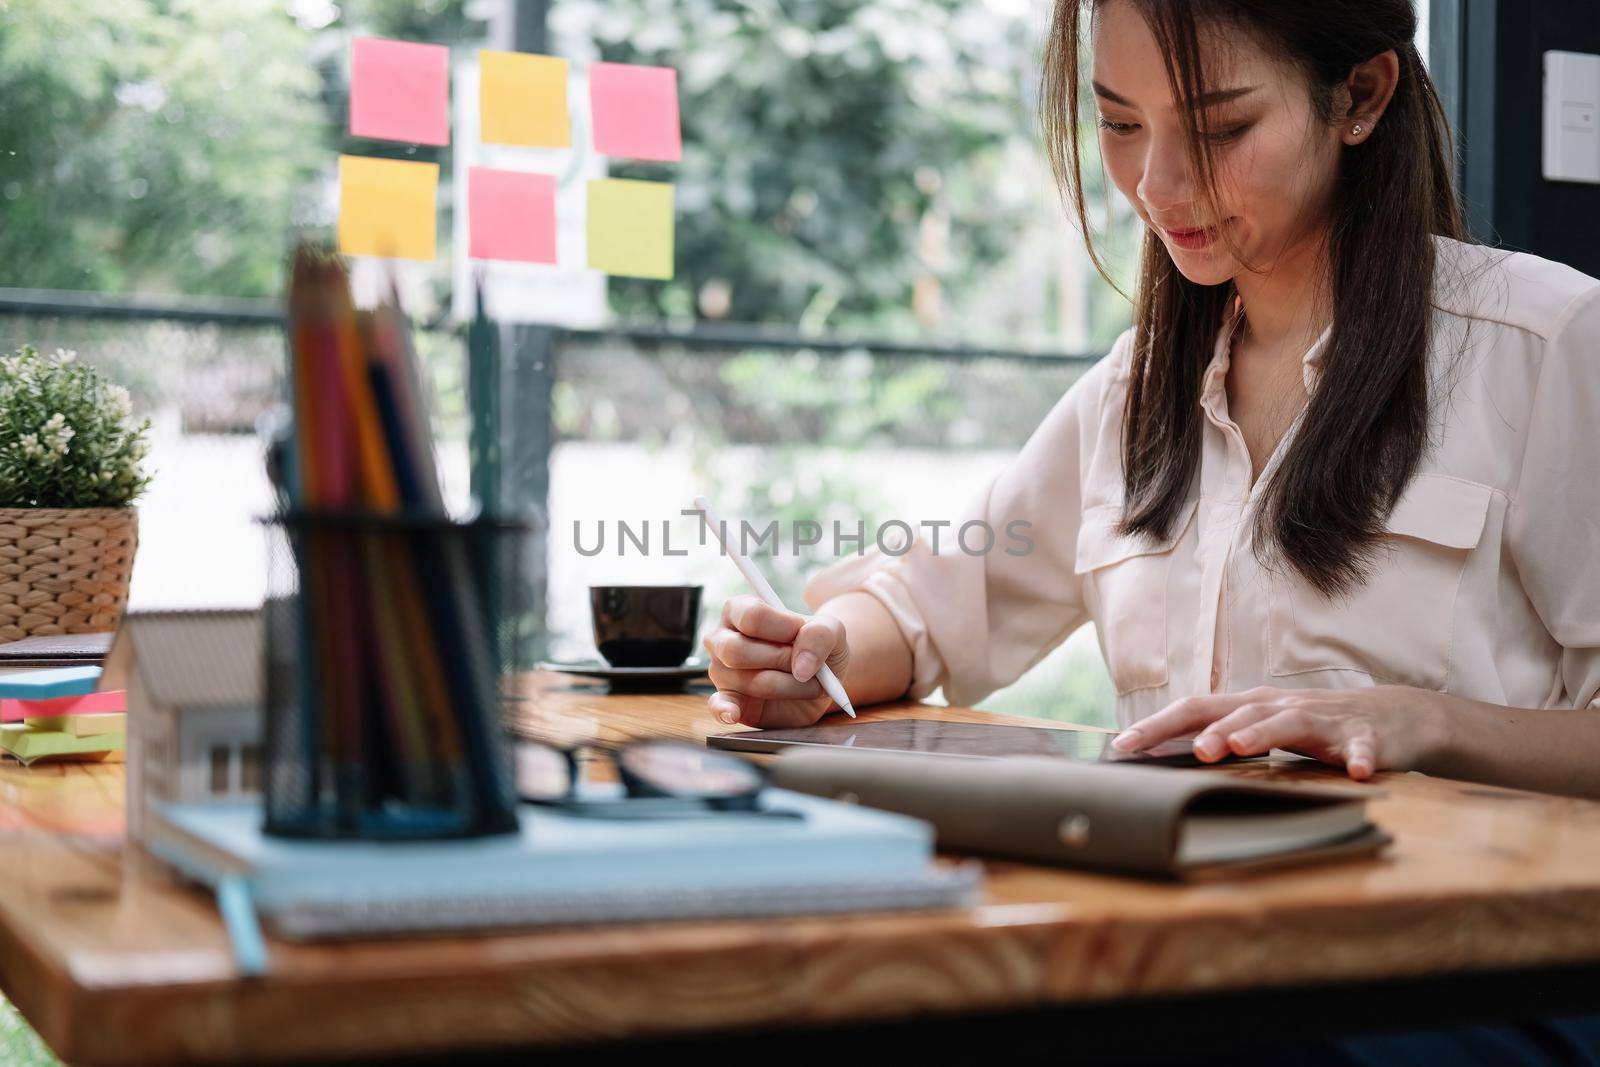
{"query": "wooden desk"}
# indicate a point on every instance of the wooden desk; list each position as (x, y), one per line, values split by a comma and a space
(115, 964)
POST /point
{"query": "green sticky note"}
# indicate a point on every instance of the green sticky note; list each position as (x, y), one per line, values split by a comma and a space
(630, 228)
(28, 744)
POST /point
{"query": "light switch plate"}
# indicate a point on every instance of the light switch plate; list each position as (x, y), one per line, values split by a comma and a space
(1572, 117)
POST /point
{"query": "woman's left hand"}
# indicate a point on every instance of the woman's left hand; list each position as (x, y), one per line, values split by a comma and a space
(1385, 727)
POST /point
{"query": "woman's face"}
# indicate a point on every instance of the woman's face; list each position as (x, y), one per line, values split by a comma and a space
(1273, 162)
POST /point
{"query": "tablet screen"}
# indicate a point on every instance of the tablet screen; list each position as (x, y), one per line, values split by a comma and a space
(971, 739)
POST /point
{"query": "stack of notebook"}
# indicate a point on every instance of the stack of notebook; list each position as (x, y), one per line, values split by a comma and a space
(55, 713)
(560, 868)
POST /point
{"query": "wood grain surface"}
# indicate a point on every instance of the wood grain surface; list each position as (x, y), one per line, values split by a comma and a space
(115, 963)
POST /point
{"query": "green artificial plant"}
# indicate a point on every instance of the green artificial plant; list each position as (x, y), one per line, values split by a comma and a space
(68, 438)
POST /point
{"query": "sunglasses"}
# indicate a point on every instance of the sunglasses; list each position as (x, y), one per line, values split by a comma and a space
(660, 779)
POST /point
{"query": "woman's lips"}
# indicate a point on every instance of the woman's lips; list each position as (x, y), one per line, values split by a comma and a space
(1193, 238)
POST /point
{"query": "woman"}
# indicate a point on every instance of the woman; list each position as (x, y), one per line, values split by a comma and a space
(1333, 492)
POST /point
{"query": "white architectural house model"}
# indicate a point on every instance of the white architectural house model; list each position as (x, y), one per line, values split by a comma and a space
(194, 687)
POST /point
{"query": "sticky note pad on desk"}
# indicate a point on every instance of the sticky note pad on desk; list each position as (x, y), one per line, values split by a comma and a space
(635, 111)
(400, 91)
(28, 744)
(511, 215)
(49, 683)
(82, 705)
(522, 100)
(630, 228)
(80, 725)
(386, 207)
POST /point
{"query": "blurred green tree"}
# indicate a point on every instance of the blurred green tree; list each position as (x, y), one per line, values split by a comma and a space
(822, 141)
(849, 165)
(156, 145)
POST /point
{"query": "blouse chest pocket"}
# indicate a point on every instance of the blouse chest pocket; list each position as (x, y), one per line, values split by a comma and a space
(1126, 590)
(1398, 627)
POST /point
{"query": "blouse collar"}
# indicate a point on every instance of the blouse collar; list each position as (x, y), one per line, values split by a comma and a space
(1217, 369)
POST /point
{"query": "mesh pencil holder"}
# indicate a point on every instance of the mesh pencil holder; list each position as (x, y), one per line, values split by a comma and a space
(386, 646)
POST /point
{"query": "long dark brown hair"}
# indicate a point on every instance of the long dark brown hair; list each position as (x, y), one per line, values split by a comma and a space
(1365, 428)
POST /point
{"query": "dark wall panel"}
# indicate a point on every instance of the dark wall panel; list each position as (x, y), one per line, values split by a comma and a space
(1499, 115)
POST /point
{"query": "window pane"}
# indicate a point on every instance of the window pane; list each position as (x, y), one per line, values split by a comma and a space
(250, 769)
(860, 168)
(221, 769)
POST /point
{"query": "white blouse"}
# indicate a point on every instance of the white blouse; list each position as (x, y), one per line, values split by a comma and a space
(1490, 588)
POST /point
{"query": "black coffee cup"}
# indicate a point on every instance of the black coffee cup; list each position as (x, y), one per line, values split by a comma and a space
(645, 625)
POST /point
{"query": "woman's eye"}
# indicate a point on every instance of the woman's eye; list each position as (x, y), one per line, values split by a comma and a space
(1122, 129)
(1224, 136)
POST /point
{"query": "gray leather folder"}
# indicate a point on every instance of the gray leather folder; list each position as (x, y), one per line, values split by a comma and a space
(1116, 817)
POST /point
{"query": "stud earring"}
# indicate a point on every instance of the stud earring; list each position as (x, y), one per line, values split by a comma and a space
(1356, 129)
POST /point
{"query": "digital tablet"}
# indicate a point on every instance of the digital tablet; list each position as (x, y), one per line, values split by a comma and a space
(974, 740)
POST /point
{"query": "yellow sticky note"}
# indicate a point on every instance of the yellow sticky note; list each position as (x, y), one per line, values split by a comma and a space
(522, 100)
(386, 207)
(630, 228)
(80, 725)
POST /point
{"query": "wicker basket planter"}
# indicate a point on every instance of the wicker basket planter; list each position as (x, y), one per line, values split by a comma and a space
(64, 570)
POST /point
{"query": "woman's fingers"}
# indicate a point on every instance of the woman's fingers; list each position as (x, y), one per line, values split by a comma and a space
(1185, 716)
(777, 714)
(756, 636)
(819, 639)
(1215, 740)
(736, 650)
(734, 708)
(754, 617)
(764, 662)
(1360, 755)
(766, 684)
(1332, 726)
(1350, 739)
(1293, 728)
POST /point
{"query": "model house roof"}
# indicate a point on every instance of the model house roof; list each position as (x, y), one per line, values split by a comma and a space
(207, 658)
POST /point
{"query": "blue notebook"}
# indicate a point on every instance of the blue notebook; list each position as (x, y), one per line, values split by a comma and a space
(565, 869)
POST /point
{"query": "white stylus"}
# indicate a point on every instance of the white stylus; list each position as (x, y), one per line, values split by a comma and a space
(764, 590)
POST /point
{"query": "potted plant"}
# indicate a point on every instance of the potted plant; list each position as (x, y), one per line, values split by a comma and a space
(70, 469)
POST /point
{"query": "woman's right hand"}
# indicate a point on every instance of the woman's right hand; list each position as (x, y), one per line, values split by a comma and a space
(764, 664)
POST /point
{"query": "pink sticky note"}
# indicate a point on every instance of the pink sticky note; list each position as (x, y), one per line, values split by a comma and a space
(400, 91)
(87, 704)
(511, 215)
(635, 111)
